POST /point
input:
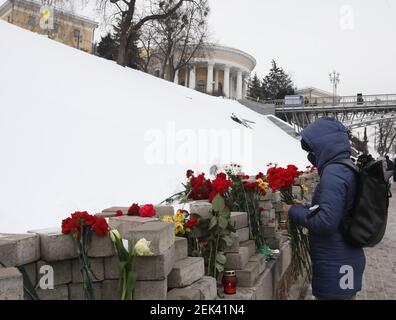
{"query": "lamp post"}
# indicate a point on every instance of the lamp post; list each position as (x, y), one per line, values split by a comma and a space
(335, 80)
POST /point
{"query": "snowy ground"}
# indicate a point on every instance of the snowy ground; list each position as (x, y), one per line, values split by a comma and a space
(80, 133)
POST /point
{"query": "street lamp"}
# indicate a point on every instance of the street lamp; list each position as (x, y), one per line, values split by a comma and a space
(335, 80)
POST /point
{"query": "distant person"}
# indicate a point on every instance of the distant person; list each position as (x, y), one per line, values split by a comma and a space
(394, 170)
(389, 163)
(363, 160)
(326, 140)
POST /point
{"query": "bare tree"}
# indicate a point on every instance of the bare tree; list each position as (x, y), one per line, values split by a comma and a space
(386, 137)
(134, 17)
(182, 36)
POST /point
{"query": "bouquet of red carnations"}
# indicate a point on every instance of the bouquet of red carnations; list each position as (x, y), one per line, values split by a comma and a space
(282, 179)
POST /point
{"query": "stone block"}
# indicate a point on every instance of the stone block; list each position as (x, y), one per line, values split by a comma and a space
(276, 197)
(237, 261)
(243, 234)
(248, 275)
(181, 248)
(265, 217)
(113, 210)
(278, 206)
(243, 294)
(268, 231)
(239, 220)
(56, 246)
(265, 286)
(125, 224)
(101, 247)
(31, 272)
(11, 284)
(268, 195)
(234, 248)
(19, 249)
(155, 267)
(207, 287)
(296, 191)
(202, 208)
(150, 290)
(111, 268)
(266, 205)
(251, 245)
(163, 211)
(160, 234)
(97, 268)
(58, 293)
(76, 291)
(261, 260)
(185, 272)
(111, 290)
(184, 294)
(62, 271)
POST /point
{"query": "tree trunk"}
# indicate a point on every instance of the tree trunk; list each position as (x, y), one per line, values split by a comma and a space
(123, 51)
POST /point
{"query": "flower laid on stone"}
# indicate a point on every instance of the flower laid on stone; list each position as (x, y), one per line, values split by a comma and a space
(282, 179)
(81, 226)
(142, 248)
(147, 211)
(134, 210)
(119, 213)
(128, 275)
(182, 221)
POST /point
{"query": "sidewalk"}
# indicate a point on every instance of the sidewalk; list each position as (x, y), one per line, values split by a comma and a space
(380, 274)
(379, 281)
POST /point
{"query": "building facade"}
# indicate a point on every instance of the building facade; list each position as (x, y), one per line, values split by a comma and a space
(316, 96)
(221, 71)
(60, 25)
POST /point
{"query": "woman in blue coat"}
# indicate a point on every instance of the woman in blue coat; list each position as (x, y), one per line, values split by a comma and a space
(337, 267)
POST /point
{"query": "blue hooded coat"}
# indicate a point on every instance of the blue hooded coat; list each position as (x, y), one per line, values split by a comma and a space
(332, 258)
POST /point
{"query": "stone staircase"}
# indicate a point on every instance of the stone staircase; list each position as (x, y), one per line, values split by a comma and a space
(284, 126)
(264, 109)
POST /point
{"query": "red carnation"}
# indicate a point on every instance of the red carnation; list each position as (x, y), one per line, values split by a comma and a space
(260, 175)
(100, 226)
(219, 186)
(83, 218)
(191, 223)
(70, 225)
(119, 213)
(134, 210)
(147, 211)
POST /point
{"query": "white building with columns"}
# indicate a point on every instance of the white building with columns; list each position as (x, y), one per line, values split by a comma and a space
(223, 71)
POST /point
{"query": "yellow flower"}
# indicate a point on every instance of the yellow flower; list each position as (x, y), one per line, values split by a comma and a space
(304, 188)
(167, 219)
(142, 248)
(262, 184)
(179, 228)
(179, 217)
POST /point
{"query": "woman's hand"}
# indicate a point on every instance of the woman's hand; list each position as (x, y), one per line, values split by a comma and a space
(299, 202)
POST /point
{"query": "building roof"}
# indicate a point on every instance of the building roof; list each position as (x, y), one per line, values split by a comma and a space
(317, 91)
(6, 6)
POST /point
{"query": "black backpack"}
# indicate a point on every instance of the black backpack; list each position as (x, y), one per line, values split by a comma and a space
(365, 224)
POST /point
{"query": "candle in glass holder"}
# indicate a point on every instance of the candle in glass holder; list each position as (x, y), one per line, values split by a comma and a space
(230, 282)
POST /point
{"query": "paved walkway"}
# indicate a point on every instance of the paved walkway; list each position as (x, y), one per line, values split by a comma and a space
(379, 281)
(380, 275)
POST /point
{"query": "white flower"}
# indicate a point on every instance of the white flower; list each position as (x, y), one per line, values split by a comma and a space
(142, 248)
(115, 235)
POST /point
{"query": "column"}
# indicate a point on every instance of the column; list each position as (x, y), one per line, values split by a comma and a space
(216, 81)
(186, 78)
(245, 86)
(209, 78)
(239, 88)
(176, 77)
(227, 81)
(192, 77)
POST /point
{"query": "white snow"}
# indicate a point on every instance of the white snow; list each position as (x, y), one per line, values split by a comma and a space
(78, 132)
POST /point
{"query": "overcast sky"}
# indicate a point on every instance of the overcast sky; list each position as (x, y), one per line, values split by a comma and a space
(310, 38)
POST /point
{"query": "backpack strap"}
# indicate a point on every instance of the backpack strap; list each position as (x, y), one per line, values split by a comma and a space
(346, 163)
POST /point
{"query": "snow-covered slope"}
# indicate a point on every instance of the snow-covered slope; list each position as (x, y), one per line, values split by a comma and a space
(80, 133)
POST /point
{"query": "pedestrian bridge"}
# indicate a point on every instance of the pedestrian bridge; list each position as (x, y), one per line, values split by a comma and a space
(352, 111)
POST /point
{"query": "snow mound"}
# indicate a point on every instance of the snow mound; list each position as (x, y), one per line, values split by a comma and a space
(78, 132)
